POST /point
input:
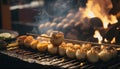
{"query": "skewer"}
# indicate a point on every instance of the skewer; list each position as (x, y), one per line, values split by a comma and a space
(76, 41)
(36, 35)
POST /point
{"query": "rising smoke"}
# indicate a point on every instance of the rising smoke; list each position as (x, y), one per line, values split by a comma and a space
(73, 22)
(53, 14)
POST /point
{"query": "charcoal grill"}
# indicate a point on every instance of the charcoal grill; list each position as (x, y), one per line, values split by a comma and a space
(33, 56)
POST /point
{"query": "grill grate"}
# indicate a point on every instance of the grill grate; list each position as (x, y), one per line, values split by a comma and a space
(32, 56)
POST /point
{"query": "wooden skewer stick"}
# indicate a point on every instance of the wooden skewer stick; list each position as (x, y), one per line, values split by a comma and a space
(76, 41)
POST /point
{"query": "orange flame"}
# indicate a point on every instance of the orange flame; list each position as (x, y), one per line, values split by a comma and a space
(97, 35)
(101, 10)
(105, 40)
(113, 40)
(95, 8)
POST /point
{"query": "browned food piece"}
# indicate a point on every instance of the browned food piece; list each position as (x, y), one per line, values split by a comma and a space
(69, 44)
(57, 38)
(86, 46)
(77, 46)
(92, 56)
(42, 46)
(81, 54)
(21, 39)
(70, 52)
(104, 55)
(62, 49)
(28, 41)
(34, 43)
(52, 49)
(97, 49)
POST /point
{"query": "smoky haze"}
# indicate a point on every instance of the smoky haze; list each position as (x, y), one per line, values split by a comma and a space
(71, 18)
(53, 13)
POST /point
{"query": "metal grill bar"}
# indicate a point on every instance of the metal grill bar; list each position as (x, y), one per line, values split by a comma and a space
(63, 62)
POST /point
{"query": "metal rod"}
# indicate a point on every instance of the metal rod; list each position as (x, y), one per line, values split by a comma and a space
(77, 41)
(36, 35)
(91, 42)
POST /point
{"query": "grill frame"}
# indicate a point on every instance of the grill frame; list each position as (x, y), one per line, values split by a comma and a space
(46, 59)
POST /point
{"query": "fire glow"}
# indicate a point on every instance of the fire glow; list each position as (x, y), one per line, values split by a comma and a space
(113, 40)
(97, 35)
(94, 9)
(101, 10)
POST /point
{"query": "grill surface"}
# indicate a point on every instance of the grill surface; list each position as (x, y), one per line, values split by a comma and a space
(33, 56)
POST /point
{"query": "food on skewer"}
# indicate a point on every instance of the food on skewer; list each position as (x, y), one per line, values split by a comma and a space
(52, 49)
(28, 41)
(34, 43)
(21, 39)
(62, 49)
(92, 55)
(86, 46)
(69, 48)
(55, 44)
(57, 38)
(113, 51)
(104, 55)
(97, 49)
(42, 46)
(77, 46)
(69, 44)
(81, 54)
(70, 52)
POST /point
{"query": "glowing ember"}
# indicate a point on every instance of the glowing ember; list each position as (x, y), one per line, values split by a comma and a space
(105, 40)
(97, 35)
(113, 40)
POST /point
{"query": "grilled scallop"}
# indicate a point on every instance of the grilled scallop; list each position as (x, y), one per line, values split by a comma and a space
(70, 52)
(56, 38)
(77, 46)
(86, 46)
(28, 41)
(97, 49)
(104, 55)
(21, 39)
(92, 56)
(42, 46)
(34, 43)
(62, 49)
(81, 54)
(52, 49)
(69, 45)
